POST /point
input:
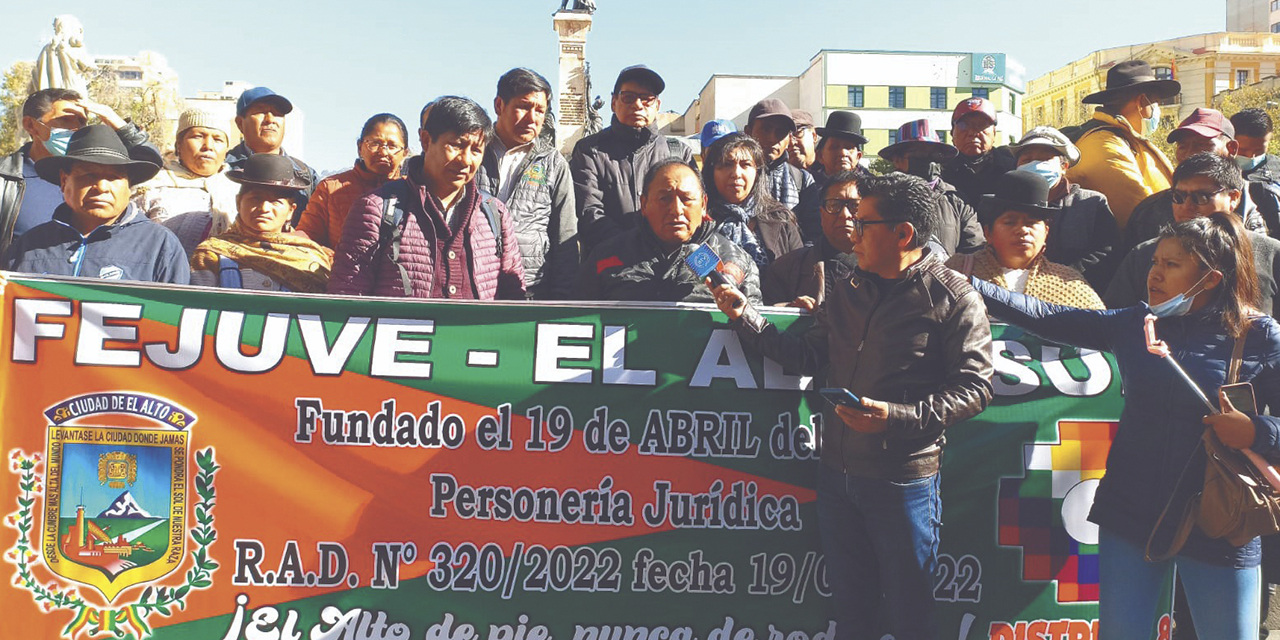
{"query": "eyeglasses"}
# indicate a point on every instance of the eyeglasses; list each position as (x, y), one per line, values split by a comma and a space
(378, 145)
(840, 205)
(645, 99)
(1196, 197)
(861, 225)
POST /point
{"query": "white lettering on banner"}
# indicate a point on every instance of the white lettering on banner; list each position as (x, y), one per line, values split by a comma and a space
(1096, 383)
(1010, 366)
(389, 345)
(564, 353)
(326, 361)
(1016, 377)
(27, 328)
(615, 368)
(723, 343)
(96, 331)
(386, 428)
(275, 330)
(190, 342)
(550, 349)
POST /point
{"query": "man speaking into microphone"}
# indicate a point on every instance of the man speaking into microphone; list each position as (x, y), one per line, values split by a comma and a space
(910, 339)
(647, 262)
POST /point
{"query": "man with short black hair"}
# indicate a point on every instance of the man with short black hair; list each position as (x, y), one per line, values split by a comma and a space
(49, 117)
(609, 166)
(1261, 169)
(1204, 131)
(910, 340)
(771, 124)
(96, 232)
(1203, 185)
(647, 263)
(796, 278)
(979, 163)
(260, 117)
(527, 173)
(433, 233)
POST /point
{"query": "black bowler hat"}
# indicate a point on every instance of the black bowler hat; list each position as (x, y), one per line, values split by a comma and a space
(843, 124)
(96, 144)
(1020, 191)
(1130, 77)
(268, 170)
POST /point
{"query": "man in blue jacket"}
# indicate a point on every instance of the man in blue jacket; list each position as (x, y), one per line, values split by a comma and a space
(97, 232)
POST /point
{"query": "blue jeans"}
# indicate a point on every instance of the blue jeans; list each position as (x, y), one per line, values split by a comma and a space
(880, 539)
(1224, 601)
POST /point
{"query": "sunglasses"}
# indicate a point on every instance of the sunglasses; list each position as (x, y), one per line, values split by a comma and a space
(1196, 197)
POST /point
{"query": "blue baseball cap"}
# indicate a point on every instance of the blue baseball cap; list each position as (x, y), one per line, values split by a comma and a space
(715, 130)
(258, 94)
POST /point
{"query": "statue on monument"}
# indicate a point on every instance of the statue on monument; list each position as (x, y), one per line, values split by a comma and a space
(64, 63)
(579, 6)
(594, 122)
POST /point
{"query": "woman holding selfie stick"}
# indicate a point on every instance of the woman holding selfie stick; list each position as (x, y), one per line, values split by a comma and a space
(1203, 289)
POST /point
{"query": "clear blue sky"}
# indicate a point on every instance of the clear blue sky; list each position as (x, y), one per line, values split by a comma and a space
(343, 61)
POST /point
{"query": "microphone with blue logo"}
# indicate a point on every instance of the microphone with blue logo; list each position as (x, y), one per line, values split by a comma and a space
(706, 263)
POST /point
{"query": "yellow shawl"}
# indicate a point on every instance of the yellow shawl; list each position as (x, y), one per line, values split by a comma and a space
(298, 263)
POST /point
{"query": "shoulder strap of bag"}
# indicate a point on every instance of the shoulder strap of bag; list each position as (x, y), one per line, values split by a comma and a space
(390, 233)
(1189, 512)
(1237, 356)
(1186, 521)
(495, 220)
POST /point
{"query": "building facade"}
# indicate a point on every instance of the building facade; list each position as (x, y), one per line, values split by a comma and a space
(1253, 15)
(1205, 65)
(885, 88)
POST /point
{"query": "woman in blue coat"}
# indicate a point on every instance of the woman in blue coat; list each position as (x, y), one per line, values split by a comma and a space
(1203, 288)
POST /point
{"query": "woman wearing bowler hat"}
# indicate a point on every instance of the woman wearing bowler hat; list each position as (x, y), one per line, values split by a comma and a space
(1015, 220)
(255, 253)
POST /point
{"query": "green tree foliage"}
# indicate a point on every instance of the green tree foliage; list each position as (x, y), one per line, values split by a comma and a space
(147, 107)
(1254, 96)
(13, 92)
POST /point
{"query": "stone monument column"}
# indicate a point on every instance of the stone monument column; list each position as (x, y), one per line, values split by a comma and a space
(571, 116)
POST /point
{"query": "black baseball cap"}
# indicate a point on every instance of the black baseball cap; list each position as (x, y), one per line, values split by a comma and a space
(642, 75)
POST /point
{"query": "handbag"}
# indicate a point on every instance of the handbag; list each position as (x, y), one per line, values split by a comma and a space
(1236, 502)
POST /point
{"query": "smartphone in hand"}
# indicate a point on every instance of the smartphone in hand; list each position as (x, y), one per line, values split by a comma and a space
(840, 396)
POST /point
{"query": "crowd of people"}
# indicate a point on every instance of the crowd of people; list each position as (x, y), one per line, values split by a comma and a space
(1077, 234)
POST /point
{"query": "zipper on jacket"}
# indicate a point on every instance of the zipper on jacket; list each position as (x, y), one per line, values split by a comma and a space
(77, 256)
(884, 444)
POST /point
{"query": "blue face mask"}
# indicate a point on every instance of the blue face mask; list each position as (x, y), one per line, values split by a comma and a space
(1149, 125)
(1249, 164)
(58, 141)
(1051, 170)
(1178, 305)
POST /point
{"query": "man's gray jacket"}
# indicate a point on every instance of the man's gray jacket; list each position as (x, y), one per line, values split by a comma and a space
(609, 169)
(542, 206)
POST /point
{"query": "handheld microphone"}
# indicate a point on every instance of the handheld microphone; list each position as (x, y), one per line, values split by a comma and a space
(705, 262)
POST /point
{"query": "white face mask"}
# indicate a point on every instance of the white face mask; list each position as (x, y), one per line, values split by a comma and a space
(1149, 125)
(1051, 170)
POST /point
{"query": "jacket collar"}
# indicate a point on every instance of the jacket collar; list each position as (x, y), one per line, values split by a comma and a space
(1116, 121)
(927, 258)
(131, 215)
(634, 135)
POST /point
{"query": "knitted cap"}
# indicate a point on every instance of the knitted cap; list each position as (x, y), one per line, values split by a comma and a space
(199, 118)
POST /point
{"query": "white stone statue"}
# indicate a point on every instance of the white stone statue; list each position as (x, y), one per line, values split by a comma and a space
(581, 6)
(64, 63)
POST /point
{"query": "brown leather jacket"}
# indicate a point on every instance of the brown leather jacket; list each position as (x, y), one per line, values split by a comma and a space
(924, 348)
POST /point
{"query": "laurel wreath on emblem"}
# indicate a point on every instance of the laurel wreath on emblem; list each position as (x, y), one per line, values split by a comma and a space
(154, 600)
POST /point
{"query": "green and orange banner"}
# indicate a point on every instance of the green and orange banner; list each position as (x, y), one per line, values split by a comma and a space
(188, 463)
